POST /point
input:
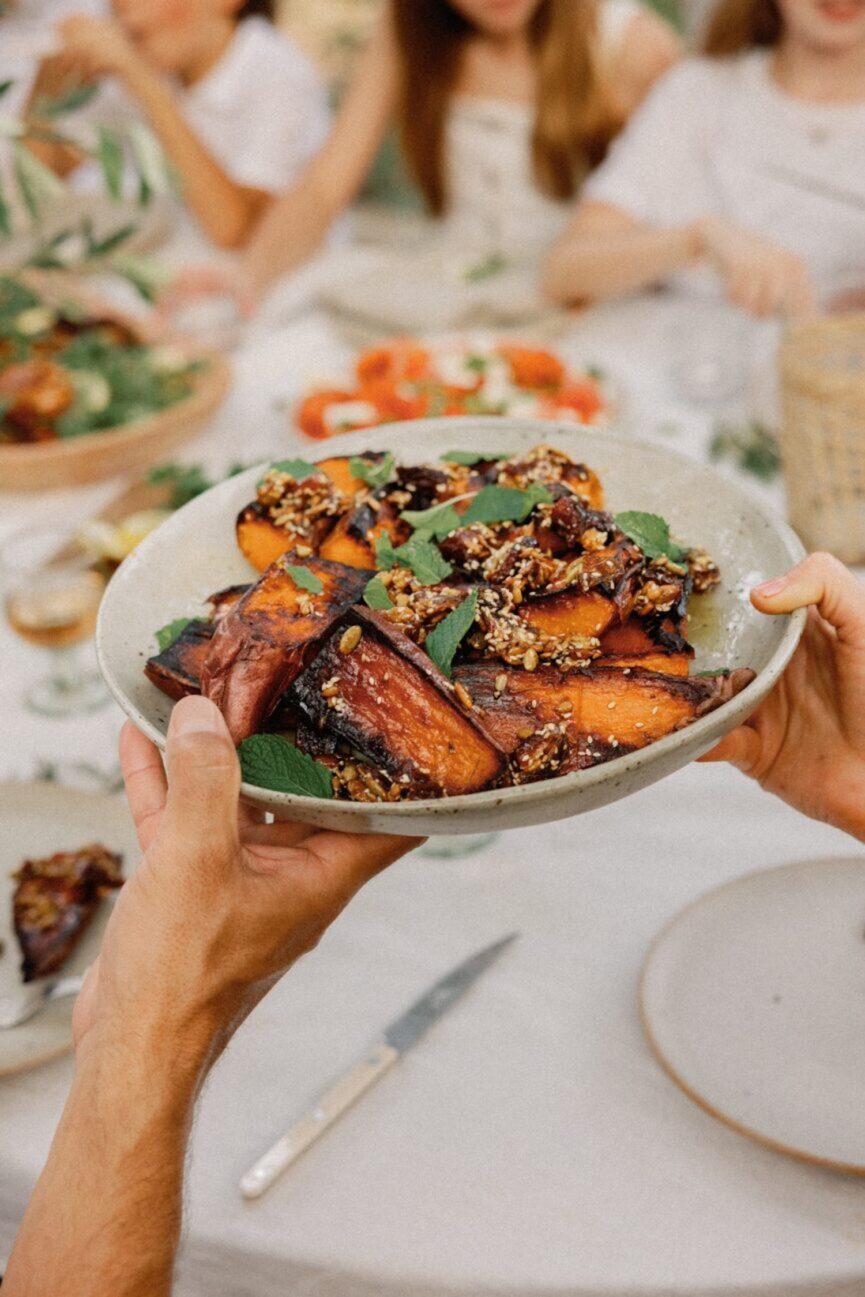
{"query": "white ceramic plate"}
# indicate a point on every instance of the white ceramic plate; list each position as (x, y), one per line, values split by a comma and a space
(194, 553)
(753, 1000)
(39, 819)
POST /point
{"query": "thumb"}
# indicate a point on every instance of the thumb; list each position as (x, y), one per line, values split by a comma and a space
(203, 778)
(819, 580)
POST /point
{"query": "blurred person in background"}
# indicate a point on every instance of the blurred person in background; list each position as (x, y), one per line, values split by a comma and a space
(746, 166)
(503, 108)
(235, 104)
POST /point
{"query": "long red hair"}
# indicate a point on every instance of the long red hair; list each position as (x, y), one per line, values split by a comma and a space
(576, 117)
(739, 25)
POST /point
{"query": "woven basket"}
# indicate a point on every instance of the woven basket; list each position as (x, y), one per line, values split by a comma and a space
(823, 433)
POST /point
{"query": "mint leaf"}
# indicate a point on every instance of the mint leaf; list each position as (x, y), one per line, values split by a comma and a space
(385, 554)
(296, 468)
(269, 761)
(467, 458)
(438, 521)
(651, 533)
(166, 635)
(373, 472)
(376, 596)
(303, 578)
(442, 643)
(711, 675)
(504, 504)
(425, 560)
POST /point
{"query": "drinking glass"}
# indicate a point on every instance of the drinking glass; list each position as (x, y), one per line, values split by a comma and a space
(51, 597)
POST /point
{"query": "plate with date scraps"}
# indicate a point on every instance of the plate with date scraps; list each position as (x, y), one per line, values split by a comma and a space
(195, 553)
(39, 819)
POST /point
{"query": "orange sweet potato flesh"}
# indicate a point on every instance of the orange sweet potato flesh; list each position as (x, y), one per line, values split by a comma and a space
(353, 539)
(398, 710)
(267, 639)
(569, 613)
(645, 705)
(261, 542)
(666, 664)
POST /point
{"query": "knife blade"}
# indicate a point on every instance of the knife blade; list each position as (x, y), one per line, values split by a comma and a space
(398, 1037)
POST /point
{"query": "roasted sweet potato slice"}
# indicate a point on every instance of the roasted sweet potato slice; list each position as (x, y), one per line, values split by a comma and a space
(177, 669)
(378, 692)
(570, 613)
(637, 635)
(628, 707)
(337, 469)
(666, 664)
(260, 540)
(353, 539)
(268, 638)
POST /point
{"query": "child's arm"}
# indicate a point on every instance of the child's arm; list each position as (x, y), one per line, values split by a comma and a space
(226, 210)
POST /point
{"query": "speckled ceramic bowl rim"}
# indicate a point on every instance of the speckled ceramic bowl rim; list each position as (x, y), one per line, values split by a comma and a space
(701, 735)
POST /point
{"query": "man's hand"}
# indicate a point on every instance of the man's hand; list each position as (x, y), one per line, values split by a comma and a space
(806, 741)
(221, 903)
(758, 276)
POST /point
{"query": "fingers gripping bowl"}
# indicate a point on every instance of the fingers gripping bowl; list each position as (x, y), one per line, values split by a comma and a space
(175, 571)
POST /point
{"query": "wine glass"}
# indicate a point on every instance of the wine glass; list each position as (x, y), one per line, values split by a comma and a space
(51, 596)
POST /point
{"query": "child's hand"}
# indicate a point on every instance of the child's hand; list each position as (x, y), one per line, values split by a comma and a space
(98, 47)
(806, 741)
(759, 276)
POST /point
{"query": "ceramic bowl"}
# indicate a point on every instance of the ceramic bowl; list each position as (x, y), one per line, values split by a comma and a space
(194, 553)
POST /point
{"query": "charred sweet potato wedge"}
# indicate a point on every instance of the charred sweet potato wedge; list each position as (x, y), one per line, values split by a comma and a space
(570, 613)
(383, 696)
(666, 664)
(266, 640)
(177, 669)
(627, 707)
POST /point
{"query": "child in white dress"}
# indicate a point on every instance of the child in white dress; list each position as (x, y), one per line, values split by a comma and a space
(749, 163)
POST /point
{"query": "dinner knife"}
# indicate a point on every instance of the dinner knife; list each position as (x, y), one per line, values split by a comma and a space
(396, 1040)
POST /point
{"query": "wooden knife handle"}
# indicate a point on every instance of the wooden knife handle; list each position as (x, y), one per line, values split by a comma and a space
(332, 1104)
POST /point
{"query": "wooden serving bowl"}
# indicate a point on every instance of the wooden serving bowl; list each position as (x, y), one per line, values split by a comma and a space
(75, 461)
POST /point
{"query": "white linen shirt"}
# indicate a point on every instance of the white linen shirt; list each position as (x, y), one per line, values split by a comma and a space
(719, 138)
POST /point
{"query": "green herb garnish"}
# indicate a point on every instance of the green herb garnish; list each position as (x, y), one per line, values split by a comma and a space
(304, 579)
(385, 554)
(442, 643)
(651, 533)
(376, 596)
(269, 761)
(166, 635)
(436, 522)
(373, 472)
(424, 559)
(505, 504)
(296, 468)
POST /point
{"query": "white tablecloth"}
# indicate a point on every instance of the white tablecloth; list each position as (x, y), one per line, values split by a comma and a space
(530, 1144)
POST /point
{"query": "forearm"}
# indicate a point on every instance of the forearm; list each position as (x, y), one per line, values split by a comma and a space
(290, 231)
(594, 266)
(226, 210)
(105, 1216)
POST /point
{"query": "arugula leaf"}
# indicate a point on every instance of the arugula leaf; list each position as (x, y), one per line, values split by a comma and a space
(468, 458)
(437, 522)
(651, 533)
(425, 560)
(296, 468)
(385, 554)
(304, 578)
(505, 504)
(269, 761)
(166, 635)
(376, 596)
(374, 473)
(442, 643)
